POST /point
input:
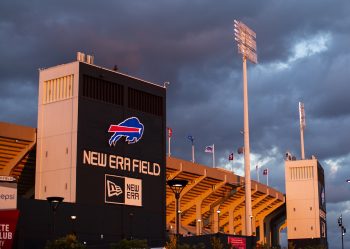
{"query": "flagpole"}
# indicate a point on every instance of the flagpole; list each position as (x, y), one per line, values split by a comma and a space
(232, 165)
(170, 133)
(213, 156)
(267, 178)
(257, 171)
(169, 154)
(192, 152)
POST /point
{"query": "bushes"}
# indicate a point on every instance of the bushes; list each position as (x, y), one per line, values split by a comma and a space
(130, 244)
(68, 242)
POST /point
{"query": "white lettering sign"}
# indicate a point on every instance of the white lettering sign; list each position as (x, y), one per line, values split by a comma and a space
(120, 163)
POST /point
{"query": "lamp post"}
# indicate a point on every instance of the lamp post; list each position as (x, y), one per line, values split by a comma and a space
(177, 185)
(73, 218)
(218, 212)
(199, 226)
(245, 38)
(54, 203)
(342, 230)
(131, 215)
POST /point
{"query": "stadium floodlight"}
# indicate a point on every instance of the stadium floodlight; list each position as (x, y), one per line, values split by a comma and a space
(246, 43)
(177, 185)
(245, 38)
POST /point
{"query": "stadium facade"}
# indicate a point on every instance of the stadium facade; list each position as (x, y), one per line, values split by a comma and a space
(100, 146)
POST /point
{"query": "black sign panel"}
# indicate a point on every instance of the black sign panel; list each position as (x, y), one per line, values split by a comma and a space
(121, 148)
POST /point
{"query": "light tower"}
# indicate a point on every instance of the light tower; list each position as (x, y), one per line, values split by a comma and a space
(245, 38)
(302, 128)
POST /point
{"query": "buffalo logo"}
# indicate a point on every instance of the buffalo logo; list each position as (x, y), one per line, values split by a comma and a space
(131, 129)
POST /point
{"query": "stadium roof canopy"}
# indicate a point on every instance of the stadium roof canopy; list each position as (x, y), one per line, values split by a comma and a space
(18, 154)
(212, 189)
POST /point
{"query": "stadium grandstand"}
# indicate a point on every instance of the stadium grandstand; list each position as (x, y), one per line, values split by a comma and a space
(212, 201)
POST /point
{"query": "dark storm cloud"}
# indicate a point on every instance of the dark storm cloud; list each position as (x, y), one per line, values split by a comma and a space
(191, 45)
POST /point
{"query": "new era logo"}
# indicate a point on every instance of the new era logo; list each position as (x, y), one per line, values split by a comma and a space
(113, 189)
(123, 190)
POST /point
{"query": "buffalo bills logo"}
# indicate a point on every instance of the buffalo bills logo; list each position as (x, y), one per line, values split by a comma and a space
(131, 129)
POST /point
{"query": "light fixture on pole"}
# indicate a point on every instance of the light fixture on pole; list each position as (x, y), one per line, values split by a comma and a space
(218, 212)
(73, 218)
(348, 180)
(177, 185)
(245, 38)
(54, 203)
(302, 128)
(342, 230)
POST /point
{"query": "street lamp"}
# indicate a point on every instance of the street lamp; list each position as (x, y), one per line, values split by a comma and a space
(131, 215)
(73, 218)
(342, 230)
(177, 185)
(218, 212)
(54, 203)
(246, 43)
(199, 232)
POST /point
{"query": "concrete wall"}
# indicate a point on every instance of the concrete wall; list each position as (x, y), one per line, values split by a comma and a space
(57, 132)
(302, 198)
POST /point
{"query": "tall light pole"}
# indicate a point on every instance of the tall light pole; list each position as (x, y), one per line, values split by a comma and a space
(245, 38)
(302, 128)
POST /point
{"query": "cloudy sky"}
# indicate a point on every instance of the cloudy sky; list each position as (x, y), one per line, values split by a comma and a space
(303, 54)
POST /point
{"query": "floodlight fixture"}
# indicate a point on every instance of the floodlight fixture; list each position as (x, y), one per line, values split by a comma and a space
(246, 43)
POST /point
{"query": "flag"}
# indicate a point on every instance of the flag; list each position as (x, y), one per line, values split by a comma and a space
(191, 138)
(230, 157)
(209, 149)
(170, 132)
(266, 172)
